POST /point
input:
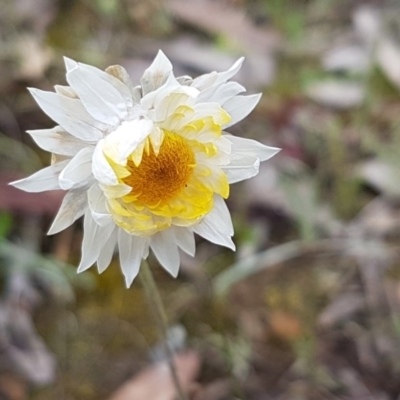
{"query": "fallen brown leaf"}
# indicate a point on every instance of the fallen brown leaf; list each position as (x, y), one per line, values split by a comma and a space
(155, 381)
(222, 19)
(12, 387)
(285, 325)
(217, 390)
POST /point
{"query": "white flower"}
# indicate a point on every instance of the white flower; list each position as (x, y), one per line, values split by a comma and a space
(148, 166)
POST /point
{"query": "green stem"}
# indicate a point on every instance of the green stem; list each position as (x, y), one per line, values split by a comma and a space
(159, 314)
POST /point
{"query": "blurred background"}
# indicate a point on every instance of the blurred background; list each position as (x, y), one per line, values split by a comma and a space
(309, 305)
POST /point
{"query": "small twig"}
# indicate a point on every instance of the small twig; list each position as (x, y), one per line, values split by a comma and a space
(158, 311)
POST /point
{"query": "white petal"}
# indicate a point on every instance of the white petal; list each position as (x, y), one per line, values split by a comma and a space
(224, 145)
(185, 80)
(207, 81)
(221, 217)
(110, 76)
(131, 251)
(101, 99)
(73, 207)
(185, 239)
(221, 93)
(204, 82)
(107, 252)
(70, 64)
(78, 169)
(251, 147)
(213, 110)
(94, 238)
(137, 94)
(98, 207)
(70, 114)
(121, 143)
(217, 225)
(66, 91)
(204, 230)
(241, 167)
(45, 179)
(149, 101)
(121, 74)
(115, 191)
(165, 249)
(101, 169)
(245, 158)
(156, 137)
(232, 71)
(227, 91)
(157, 74)
(58, 141)
(240, 107)
(167, 105)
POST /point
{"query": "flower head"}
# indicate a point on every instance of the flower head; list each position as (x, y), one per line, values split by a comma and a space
(148, 166)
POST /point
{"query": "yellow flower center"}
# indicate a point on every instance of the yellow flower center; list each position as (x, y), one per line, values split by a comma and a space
(160, 177)
(172, 176)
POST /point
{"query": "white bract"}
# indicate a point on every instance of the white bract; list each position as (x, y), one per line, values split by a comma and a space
(147, 166)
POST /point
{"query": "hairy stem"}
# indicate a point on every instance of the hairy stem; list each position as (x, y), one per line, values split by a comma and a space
(159, 314)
